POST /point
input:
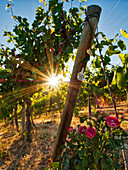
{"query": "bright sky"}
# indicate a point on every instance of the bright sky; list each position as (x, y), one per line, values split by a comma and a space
(114, 16)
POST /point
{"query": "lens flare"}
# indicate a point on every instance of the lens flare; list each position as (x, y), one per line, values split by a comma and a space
(53, 81)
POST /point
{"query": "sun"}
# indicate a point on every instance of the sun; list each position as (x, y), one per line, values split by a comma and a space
(53, 81)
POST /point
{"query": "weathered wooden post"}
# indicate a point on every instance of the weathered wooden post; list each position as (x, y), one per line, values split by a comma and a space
(92, 18)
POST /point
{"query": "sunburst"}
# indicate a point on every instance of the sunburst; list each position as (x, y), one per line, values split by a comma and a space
(53, 81)
(49, 82)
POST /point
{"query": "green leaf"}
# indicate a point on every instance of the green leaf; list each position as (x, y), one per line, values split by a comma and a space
(96, 63)
(114, 80)
(105, 42)
(55, 164)
(98, 153)
(84, 163)
(122, 45)
(102, 35)
(24, 19)
(119, 70)
(81, 9)
(111, 52)
(113, 47)
(122, 57)
(19, 18)
(120, 77)
(112, 143)
(126, 58)
(106, 134)
(96, 160)
(78, 167)
(81, 155)
(126, 75)
(81, 120)
(107, 60)
(124, 33)
(104, 163)
(46, 168)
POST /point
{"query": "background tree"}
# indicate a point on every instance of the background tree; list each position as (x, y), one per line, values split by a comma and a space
(39, 50)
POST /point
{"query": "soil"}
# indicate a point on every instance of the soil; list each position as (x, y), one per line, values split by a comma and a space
(16, 154)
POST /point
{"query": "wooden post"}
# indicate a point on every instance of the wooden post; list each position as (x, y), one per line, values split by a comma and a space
(127, 95)
(93, 14)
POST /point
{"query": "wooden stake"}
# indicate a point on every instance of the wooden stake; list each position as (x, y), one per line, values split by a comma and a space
(93, 14)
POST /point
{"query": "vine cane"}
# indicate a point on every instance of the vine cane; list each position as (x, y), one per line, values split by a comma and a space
(114, 104)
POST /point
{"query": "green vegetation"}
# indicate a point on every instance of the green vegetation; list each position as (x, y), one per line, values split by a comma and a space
(42, 50)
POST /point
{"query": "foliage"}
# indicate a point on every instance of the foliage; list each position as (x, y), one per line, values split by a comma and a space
(42, 49)
(95, 146)
(45, 101)
(121, 73)
(95, 85)
(45, 47)
(51, 39)
(38, 50)
(108, 48)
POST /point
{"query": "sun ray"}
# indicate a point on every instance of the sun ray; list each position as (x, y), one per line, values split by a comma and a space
(49, 57)
(21, 93)
(33, 69)
(50, 82)
(27, 91)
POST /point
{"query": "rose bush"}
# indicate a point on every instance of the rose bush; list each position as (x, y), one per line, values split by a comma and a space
(94, 146)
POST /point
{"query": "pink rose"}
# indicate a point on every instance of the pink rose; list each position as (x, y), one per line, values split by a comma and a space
(69, 140)
(70, 129)
(99, 110)
(112, 121)
(2, 80)
(82, 129)
(90, 132)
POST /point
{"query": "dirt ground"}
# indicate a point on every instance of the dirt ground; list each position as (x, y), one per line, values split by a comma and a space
(16, 154)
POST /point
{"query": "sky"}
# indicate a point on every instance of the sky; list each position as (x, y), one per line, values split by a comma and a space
(114, 16)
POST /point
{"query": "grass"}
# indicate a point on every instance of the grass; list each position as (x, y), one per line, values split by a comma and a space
(18, 154)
